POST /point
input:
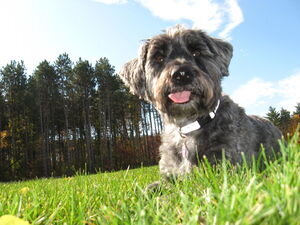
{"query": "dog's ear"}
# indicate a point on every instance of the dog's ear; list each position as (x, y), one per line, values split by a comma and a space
(133, 73)
(224, 52)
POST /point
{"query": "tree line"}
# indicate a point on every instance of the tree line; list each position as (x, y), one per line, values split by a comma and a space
(66, 117)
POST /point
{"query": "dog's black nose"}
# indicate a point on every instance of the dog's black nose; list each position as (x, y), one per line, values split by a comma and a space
(182, 75)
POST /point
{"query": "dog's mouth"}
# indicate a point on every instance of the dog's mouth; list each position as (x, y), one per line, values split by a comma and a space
(180, 97)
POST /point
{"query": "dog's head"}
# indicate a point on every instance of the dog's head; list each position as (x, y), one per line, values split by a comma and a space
(180, 72)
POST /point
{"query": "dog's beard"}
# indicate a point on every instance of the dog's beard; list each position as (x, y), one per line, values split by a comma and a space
(185, 111)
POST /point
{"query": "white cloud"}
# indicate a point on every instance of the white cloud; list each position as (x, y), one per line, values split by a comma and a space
(257, 94)
(112, 1)
(235, 16)
(209, 15)
(220, 16)
(253, 92)
(289, 90)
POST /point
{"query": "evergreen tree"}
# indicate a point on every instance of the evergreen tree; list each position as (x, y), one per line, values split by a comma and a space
(297, 110)
(84, 81)
(285, 119)
(273, 116)
(63, 67)
(47, 89)
(14, 83)
(107, 85)
(285, 116)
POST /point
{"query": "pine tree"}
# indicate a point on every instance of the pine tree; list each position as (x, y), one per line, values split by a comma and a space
(63, 67)
(46, 84)
(14, 83)
(107, 85)
(297, 110)
(285, 119)
(285, 116)
(84, 83)
(273, 116)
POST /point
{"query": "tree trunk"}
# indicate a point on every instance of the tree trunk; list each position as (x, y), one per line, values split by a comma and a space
(87, 129)
(44, 144)
(110, 147)
(67, 153)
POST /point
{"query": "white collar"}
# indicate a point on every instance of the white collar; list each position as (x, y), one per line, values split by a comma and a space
(196, 124)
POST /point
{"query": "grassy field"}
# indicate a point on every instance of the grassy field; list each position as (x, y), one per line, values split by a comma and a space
(219, 195)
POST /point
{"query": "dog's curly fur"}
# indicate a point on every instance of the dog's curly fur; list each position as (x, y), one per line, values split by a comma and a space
(203, 61)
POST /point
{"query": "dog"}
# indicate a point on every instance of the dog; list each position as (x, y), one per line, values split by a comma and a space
(180, 73)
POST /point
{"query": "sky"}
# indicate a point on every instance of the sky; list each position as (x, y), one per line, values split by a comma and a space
(265, 34)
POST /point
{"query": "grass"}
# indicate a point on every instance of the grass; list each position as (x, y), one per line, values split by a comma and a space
(211, 195)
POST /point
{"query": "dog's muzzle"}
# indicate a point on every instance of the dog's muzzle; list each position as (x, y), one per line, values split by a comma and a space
(182, 75)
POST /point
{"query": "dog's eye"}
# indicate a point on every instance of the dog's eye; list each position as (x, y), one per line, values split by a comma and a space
(196, 53)
(159, 58)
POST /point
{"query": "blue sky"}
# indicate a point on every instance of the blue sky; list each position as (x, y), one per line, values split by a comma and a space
(264, 71)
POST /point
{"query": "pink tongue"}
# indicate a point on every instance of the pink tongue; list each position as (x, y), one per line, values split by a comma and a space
(180, 97)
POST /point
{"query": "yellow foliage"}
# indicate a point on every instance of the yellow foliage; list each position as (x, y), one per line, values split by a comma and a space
(3, 141)
(12, 220)
(296, 116)
(3, 134)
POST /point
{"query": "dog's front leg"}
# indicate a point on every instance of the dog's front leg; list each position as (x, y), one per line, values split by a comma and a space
(175, 162)
(172, 166)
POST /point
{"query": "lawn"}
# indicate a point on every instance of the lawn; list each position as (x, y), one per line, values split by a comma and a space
(211, 195)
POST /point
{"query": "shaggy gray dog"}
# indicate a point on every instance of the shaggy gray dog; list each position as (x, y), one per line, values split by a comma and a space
(180, 73)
